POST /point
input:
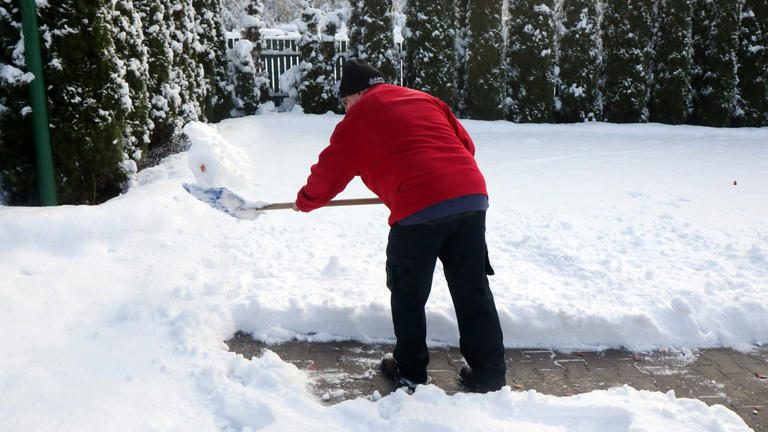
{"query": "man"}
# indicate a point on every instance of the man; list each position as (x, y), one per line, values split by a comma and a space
(411, 151)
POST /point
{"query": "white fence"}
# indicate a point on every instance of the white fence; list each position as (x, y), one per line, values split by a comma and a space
(281, 53)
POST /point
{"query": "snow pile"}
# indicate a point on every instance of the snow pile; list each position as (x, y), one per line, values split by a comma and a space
(113, 316)
(213, 161)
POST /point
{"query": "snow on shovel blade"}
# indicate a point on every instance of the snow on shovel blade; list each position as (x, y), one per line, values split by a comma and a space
(224, 200)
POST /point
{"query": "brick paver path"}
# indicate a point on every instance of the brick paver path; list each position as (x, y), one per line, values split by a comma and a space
(346, 370)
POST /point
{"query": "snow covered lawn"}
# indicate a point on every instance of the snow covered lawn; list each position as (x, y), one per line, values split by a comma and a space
(112, 317)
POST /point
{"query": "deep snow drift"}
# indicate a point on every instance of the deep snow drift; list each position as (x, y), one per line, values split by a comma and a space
(644, 236)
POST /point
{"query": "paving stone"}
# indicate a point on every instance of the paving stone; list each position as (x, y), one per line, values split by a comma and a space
(629, 370)
(325, 359)
(725, 362)
(439, 360)
(514, 355)
(605, 377)
(575, 369)
(711, 372)
(521, 372)
(448, 380)
(540, 358)
(601, 362)
(292, 351)
(553, 375)
(687, 389)
(571, 356)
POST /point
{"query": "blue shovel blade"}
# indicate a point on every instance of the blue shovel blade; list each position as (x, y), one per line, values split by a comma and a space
(223, 200)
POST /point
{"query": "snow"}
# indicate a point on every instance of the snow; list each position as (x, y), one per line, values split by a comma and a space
(335, 18)
(113, 316)
(243, 47)
(15, 76)
(289, 32)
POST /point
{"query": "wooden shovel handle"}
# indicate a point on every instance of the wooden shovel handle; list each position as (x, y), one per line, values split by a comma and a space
(334, 203)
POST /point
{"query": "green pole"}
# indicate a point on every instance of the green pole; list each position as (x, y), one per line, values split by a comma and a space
(42, 134)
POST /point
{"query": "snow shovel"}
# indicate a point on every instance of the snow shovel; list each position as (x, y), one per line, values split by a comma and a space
(224, 200)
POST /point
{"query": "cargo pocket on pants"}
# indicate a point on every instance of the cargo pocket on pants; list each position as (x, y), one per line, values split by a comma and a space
(399, 272)
(488, 269)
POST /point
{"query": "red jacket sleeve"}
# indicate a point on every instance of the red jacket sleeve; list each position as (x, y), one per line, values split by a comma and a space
(332, 173)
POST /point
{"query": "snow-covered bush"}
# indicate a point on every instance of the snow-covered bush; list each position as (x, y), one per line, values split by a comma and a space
(430, 49)
(188, 74)
(245, 91)
(627, 42)
(214, 97)
(530, 61)
(579, 62)
(715, 79)
(330, 25)
(481, 75)
(371, 36)
(17, 159)
(671, 95)
(316, 85)
(753, 64)
(162, 76)
(134, 64)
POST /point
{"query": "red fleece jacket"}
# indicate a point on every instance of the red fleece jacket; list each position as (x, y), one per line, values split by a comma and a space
(406, 146)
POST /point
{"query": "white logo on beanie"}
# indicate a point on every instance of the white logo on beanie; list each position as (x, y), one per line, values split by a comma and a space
(375, 80)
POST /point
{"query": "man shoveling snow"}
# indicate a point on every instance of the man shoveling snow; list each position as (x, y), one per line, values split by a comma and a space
(411, 151)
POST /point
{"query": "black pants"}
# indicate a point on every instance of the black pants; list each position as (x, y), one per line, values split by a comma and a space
(459, 242)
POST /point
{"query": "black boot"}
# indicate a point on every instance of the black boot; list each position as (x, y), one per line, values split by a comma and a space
(391, 370)
(389, 367)
(469, 381)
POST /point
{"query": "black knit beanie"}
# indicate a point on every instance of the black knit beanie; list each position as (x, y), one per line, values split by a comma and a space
(356, 76)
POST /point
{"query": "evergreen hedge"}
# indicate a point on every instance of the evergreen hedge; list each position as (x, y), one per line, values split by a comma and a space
(123, 76)
(88, 101)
